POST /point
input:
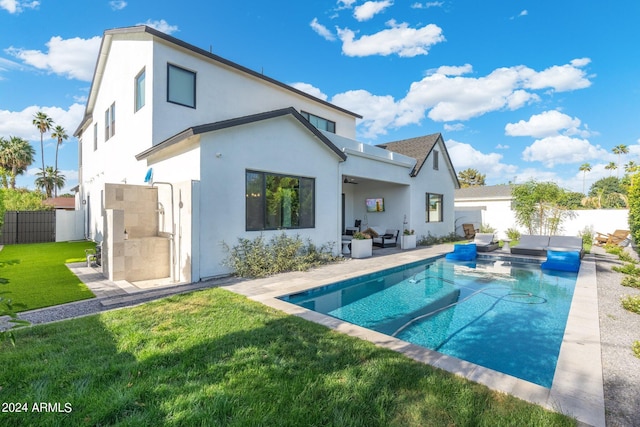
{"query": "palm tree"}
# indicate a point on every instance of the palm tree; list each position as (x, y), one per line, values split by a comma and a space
(611, 166)
(49, 179)
(43, 123)
(16, 155)
(60, 135)
(631, 167)
(584, 168)
(619, 150)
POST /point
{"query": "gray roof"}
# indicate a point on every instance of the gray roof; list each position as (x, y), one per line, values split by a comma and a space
(418, 148)
(488, 192)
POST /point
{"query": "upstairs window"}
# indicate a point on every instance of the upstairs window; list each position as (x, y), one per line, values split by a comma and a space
(319, 122)
(181, 86)
(140, 90)
(110, 122)
(95, 136)
(435, 160)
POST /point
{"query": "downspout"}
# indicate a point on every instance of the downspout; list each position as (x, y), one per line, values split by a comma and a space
(172, 255)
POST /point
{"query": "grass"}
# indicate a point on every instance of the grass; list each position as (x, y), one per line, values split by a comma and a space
(216, 358)
(35, 276)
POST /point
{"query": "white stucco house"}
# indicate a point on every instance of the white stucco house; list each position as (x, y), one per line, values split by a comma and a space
(182, 150)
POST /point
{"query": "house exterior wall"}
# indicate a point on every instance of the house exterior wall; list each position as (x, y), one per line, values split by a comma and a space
(281, 145)
(436, 181)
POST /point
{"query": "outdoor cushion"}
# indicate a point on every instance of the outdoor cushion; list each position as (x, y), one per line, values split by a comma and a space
(463, 252)
(562, 260)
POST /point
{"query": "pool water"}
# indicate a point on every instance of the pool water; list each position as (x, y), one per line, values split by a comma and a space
(494, 312)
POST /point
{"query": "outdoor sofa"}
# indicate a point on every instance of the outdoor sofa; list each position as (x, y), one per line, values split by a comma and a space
(485, 242)
(538, 245)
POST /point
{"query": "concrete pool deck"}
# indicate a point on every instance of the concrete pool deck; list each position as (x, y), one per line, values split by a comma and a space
(577, 388)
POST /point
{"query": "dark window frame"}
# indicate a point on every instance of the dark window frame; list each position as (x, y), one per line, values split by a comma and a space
(256, 204)
(330, 123)
(177, 102)
(428, 207)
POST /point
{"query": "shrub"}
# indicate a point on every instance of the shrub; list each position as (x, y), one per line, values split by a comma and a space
(626, 257)
(513, 234)
(587, 235)
(259, 258)
(636, 348)
(632, 303)
(631, 282)
(486, 228)
(430, 240)
(628, 268)
(613, 249)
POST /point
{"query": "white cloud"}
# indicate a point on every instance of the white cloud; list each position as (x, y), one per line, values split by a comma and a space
(561, 78)
(502, 147)
(369, 9)
(19, 123)
(345, 4)
(464, 156)
(310, 89)
(161, 25)
(322, 30)
(118, 4)
(15, 6)
(448, 70)
(398, 39)
(427, 5)
(454, 127)
(73, 58)
(547, 123)
(562, 149)
(379, 112)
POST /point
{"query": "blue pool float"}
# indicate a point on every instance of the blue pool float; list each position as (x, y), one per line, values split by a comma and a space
(562, 260)
(466, 252)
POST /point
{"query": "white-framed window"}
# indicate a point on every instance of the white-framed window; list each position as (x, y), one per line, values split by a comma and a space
(95, 136)
(140, 89)
(181, 86)
(110, 122)
(434, 207)
(319, 122)
(435, 159)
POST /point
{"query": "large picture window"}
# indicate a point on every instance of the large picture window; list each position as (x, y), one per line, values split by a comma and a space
(181, 86)
(434, 207)
(275, 201)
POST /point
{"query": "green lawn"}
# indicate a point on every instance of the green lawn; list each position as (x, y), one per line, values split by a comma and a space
(35, 275)
(216, 358)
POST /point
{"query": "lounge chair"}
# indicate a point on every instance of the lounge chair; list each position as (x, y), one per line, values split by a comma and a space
(618, 237)
(485, 242)
(388, 239)
(566, 244)
(531, 245)
(469, 231)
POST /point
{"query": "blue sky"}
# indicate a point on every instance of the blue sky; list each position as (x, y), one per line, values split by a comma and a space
(519, 89)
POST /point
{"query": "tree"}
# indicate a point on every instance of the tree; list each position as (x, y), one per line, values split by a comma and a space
(619, 150)
(16, 155)
(49, 179)
(471, 178)
(22, 199)
(611, 166)
(634, 207)
(584, 168)
(43, 123)
(607, 193)
(631, 167)
(538, 207)
(60, 135)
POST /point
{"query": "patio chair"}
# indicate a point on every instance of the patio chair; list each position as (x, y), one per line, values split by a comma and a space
(469, 231)
(616, 238)
(485, 242)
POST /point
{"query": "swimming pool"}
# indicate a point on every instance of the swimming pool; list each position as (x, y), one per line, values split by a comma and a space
(499, 313)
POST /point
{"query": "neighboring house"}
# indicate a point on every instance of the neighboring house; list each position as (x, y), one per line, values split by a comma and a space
(488, 205)
(62, 203)
(182, 150)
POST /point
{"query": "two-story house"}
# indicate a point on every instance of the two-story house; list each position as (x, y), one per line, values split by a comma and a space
(182, 151)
